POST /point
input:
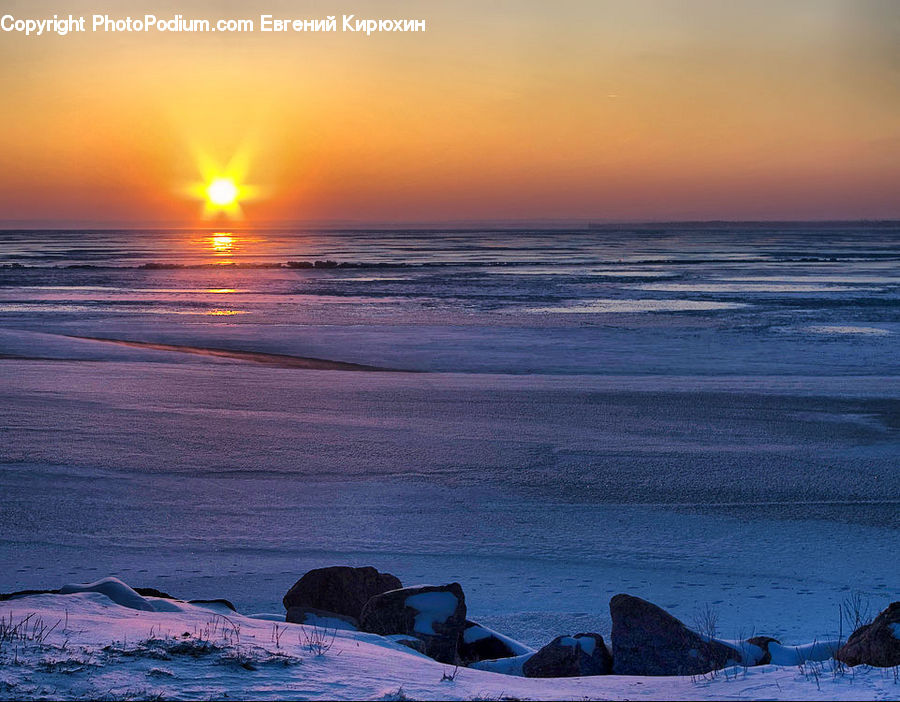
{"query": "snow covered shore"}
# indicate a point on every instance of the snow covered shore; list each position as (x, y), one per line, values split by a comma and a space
(119, 645)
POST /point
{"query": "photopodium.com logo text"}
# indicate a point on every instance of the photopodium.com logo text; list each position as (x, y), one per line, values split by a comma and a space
(70, 24)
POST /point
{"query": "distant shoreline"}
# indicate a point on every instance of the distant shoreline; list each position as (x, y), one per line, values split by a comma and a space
(586, 225)
(272, 359)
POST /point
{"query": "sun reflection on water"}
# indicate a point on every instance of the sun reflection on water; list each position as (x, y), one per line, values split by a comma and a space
(222, 243)
(230, 248)
(223, 313)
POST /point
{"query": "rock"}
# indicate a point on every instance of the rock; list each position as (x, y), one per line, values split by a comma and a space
(434, 613)
(25, 593)
(647, 640)
(478, 643)
(762, 642)
(570, 657)
(339, 589)
(319, 617)
(876, 644)
(153, 592)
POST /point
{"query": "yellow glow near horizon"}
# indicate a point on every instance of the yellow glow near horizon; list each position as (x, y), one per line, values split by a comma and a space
(222, 192)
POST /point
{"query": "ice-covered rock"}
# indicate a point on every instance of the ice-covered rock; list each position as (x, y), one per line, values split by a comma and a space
(647, 640)
(434, 613)
(114, 589)
(570, 657)
(876, 644)
(478, 643)
(339, 589)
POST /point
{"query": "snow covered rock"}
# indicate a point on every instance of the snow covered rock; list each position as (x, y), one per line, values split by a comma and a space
(434, 613)
(216, 603)
(570, 657)
(876, 644)
(319, 617)
(647, 640)
(114, 589)
(762, 643)
(339, 589)
(219, 603)
(478, 643)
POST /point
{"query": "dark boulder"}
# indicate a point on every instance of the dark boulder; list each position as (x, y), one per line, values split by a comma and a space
(339, 589)
(570, 657)
(647, 640)
(478, 643)
(876, 644)
(436, 614)
(153, 592)
(762, 642)
(319, 617)
(25, 593)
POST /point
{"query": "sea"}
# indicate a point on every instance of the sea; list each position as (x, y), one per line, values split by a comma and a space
(702, 414)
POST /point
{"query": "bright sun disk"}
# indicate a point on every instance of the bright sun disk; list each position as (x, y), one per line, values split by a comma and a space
(222, 192)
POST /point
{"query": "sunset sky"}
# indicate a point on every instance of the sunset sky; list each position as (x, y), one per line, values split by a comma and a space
(527, 110)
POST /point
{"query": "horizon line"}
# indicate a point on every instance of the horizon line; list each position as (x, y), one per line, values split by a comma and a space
(434, 225)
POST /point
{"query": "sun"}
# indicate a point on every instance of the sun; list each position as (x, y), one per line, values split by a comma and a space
(222, 192)
(222, 187)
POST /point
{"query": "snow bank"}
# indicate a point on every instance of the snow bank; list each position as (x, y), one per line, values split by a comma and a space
(504, 666)
(115, 590)
(86, 645)
(795, 655)
(267, 616)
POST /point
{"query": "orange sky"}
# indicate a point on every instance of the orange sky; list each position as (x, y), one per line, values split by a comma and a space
(525, 110)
